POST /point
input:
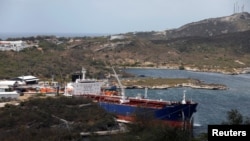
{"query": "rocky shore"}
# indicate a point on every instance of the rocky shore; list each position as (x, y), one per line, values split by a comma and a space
(165, 83)
(194, 86)
(232, 71)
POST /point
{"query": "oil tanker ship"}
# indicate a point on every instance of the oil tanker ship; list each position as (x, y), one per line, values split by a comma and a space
(131, 109)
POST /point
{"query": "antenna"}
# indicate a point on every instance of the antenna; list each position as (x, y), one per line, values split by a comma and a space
(234, 8)
(237, 7)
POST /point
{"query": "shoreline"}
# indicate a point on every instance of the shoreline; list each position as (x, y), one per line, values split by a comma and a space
(235, 72)
(201, 86)
(166, 83)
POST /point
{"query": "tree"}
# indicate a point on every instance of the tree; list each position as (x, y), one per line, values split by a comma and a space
(234, 117)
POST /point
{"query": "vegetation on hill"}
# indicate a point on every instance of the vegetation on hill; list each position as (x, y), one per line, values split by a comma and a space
(53, 119)
(52, 60)
(219, 52)
(59, 57)
(224, 52)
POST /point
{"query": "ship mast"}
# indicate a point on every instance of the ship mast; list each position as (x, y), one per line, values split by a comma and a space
(184, 97)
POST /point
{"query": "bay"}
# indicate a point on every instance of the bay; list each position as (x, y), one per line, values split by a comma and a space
(213, 105)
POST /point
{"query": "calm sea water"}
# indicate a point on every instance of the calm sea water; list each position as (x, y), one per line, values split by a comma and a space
(213, 105)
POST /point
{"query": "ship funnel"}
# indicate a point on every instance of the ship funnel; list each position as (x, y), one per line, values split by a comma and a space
(184, 97)
(83, 73)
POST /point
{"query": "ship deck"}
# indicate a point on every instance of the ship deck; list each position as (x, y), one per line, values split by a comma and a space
(158, 104)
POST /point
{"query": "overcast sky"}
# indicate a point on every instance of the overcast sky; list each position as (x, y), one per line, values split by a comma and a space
(109, 16)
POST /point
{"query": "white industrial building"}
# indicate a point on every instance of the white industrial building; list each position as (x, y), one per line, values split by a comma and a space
(28, 79)
(6, 89)
(13, 45)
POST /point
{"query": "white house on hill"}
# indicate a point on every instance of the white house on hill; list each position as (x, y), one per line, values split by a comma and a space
(13, 45)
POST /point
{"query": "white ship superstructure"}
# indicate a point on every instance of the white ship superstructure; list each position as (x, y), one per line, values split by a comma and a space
(83, 86)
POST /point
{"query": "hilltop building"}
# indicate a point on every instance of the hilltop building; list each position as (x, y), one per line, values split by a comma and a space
(13, 45)
(117, 37)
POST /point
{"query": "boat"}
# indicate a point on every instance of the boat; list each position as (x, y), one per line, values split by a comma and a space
(131, 109)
